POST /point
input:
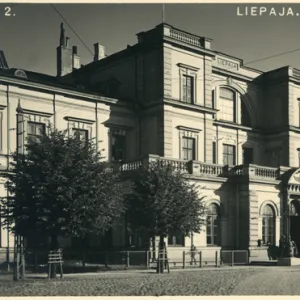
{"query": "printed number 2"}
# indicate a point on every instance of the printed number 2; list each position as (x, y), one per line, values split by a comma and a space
(7, 11)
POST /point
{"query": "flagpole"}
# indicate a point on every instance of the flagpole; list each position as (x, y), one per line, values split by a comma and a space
(163, 13)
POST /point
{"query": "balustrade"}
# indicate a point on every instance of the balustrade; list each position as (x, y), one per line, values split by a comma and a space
(185, 37)
(200, 168)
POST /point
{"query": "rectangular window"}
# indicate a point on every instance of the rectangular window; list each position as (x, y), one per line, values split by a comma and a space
(82, 134)
(118, 147)
(214, 152)
(228, 155)
(188, 148)
(188, 89)
(35, 130)
(247, 155)
(176, 238)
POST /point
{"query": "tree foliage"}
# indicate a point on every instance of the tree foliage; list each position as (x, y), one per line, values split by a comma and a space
(61, 187)
(162, 201)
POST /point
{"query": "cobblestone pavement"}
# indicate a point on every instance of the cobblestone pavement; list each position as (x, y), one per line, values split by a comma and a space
(202, 282)
(275, 281)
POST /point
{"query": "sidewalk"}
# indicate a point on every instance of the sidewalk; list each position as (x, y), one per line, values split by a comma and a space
(147, 271)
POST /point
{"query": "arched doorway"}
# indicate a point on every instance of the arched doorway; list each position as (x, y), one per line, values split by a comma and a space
(291, 205)
(295, 222)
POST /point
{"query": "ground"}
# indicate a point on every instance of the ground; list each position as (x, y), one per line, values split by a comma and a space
(235, 281)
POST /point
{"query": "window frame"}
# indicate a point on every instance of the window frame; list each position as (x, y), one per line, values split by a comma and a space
(189, 133)
(186, 71)
(113, 133)
(188, 89)
(215, 239)
(186, 148)
(173, 237)
(226, 146)
(35, 136)
(268, 223)
(234, 99)
(86, 131)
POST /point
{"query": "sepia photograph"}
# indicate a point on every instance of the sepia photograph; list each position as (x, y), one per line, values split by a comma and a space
(149, 149)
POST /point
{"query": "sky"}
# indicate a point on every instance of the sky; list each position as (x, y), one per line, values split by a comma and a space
(29, 36)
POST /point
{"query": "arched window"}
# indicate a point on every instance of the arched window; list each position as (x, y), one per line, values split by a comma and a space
(227, 105)
(213, 225)
(268, 225)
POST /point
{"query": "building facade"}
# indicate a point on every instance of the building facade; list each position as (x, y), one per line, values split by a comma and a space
(233, 130)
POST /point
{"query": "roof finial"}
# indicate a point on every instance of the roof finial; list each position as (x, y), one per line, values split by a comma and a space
(62, 35)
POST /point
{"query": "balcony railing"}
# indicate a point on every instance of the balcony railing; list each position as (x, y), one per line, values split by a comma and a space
(254, 171)
(185, 37)
(202, 169)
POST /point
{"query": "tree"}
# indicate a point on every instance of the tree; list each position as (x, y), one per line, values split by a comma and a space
(163, 200)
(60, 186)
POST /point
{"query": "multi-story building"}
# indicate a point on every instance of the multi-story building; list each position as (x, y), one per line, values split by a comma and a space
(234, 130)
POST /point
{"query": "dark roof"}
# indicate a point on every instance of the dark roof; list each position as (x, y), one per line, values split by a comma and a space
(46, 80)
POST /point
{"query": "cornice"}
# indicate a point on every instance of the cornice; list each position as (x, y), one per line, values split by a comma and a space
(235, 126)
(53, 89)
(35, 112)
(180, 65)
(80, 120)
(233, 75)
(183, 105)
(196, 130)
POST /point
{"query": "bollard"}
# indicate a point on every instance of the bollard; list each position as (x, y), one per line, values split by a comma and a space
(200, 259)
(127, 259)
(232, 258)
(183, 259)
(147, 259)
(216, 258)
(106, 259)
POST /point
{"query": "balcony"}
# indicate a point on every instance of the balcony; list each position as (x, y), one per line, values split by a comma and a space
(207, 170)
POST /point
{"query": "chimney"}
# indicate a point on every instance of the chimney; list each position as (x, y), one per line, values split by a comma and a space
(62, 35)
(75, 58)
(99, 52)
(67, 42)
(65, 61)
(3, 62)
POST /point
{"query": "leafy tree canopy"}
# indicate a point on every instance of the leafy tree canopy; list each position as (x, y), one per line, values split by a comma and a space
(61, 186)
(162, 200)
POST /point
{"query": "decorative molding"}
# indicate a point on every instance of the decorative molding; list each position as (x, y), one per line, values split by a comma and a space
(271, 203)
(194, 107)
(79, 120)
(180, 65)
(118, 127)
(183, 128)
(36, 113)
(20, 73)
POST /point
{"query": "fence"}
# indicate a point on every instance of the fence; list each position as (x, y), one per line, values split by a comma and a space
(91, 260)
(75, 261)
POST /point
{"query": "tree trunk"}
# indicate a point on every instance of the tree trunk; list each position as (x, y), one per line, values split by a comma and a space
(53, 247)
(161, 255)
